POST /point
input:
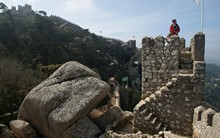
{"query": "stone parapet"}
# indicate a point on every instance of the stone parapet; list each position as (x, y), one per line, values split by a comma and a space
(198, 47)
(172, 106)
(112, 134)
(206, 123)
(162, 134)
(159, 62)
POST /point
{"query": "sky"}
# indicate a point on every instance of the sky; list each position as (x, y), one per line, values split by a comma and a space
(135, 19)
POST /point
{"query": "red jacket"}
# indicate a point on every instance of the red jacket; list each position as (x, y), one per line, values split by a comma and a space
(174, 29)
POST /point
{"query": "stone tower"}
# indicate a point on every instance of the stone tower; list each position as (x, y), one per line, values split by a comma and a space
(172, 84)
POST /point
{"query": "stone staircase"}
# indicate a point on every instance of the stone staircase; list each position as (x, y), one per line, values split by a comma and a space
(151, 109)
(153, 124)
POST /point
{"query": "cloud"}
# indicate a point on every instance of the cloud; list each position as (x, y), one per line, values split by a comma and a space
(24, 1)
(10, 3)
(80, 6)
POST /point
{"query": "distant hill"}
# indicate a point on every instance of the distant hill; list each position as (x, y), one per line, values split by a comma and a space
(40, 41)
(210, 61)
(212, 87)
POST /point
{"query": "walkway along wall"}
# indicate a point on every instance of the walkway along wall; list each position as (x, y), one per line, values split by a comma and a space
(172, 84)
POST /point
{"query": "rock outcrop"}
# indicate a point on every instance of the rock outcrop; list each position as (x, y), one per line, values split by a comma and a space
(83, 128)
(61, 103)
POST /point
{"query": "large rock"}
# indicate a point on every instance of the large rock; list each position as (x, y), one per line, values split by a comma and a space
(83, 128)
(68, 95)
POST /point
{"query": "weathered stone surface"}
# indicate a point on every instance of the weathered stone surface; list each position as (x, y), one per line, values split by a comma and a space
(170, 96)
(69, 94)
(206, 123)
(162, 61)
(83, 128)
(124, 124)
(198, 47)
(112, 134)
(22, 129)
(5, 132)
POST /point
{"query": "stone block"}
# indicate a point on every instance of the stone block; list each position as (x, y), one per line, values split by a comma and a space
(198, 47)
(22, 129)
(113, 114)
(148, 42)
(182, 43)
(82, 128)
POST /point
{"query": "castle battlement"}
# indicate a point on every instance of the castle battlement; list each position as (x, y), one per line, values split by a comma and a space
(66, 22)
(206, 123)
(160, 63)
(24, 10)
(172, 84)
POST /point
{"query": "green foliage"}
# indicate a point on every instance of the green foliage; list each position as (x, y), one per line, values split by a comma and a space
(47, 70)
(3, 7)
(16, 80)
(38, 39)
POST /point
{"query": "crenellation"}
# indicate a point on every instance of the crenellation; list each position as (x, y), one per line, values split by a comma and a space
(182, 43)
(206, 122)
(156, 59)
(198, 47)
(172, 84)
(23, 10)
(66, 22)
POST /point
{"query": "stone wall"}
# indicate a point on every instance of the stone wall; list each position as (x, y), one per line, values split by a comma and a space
(64, 21)
(170, 90)
(131, 43)
(112, 134)
(22, 10)
(162, 134)
(159, 63)
(206, 123)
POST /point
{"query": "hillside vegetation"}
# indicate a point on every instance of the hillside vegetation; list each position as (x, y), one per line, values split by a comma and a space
(38, 40)
(33, 45)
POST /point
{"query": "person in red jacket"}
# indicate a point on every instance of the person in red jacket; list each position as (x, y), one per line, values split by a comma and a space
(174, 28)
